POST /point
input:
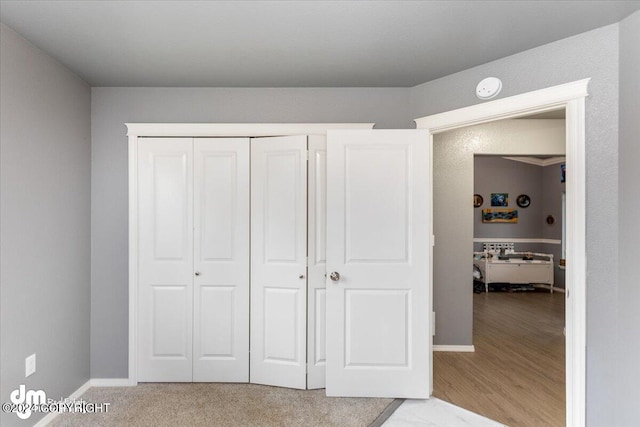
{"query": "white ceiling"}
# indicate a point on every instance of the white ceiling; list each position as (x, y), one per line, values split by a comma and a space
(293, 43)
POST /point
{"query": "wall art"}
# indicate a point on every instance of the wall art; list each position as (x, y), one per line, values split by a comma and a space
(500, 215)
(499, 199)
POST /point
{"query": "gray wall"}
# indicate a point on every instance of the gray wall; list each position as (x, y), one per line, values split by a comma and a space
(628, 293)
(44, 221)
(552, 205)
(497, 175)
(593, 54)
(453, 159)
(112, 107)
(552, 201)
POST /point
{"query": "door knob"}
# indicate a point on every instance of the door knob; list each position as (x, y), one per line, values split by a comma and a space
(197, 273)
(334, 276)
(301, 276)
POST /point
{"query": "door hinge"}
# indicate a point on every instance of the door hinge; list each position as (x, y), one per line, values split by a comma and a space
(433, 323)
(307, 155)
(306, 261)
(433, 240)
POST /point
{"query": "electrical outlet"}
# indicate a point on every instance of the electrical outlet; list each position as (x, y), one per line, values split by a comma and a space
(30, 365)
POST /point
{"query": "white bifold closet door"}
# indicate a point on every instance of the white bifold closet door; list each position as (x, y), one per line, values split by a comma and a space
(165, 227)
(193, 259)
(278, 261)
(221, 260)
(317, 255)
(378, 263)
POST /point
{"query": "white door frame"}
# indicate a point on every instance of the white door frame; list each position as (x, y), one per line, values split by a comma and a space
(570, 96)
(212, 130)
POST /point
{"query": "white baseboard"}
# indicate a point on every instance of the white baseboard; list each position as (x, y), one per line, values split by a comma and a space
(110, 382)
(52, 415)
(545, 286)
(457, 348)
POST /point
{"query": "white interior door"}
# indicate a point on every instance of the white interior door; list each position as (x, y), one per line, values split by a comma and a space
(378, 241)
(165, 224)
(317, 238)
(278, 261)
(221, 260)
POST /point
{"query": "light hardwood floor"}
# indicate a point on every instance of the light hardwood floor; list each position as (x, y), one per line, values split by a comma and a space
(516, 375)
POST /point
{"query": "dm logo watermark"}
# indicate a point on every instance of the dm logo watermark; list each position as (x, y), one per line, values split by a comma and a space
(25, 402)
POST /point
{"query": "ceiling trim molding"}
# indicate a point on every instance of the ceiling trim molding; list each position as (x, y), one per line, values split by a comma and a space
(537, 161)
(236, 129)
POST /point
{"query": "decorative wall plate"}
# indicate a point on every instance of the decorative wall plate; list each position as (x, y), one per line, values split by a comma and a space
(477, 200)
(523, 201)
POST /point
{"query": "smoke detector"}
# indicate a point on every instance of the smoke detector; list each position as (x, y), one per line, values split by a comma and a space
(488, 88)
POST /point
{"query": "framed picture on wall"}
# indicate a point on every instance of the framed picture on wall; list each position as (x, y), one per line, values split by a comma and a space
(563, 171)
(499, 199)
(509, 216)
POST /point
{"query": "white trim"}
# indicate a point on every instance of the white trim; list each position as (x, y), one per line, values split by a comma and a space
(237, 129)
(546, 286)
(73, 396)
(515, 240)
(551, 98)
(570, 96)
(136, 130)
(456, 348)
(133, 260)
(576, 270)
(537, 161)
(110, 382)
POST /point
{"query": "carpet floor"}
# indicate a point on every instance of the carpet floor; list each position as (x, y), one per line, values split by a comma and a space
(212, 404)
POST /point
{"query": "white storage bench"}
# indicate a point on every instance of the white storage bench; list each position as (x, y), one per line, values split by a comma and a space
(514, 267)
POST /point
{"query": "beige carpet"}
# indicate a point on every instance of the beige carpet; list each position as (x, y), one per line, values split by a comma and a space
(209, 404)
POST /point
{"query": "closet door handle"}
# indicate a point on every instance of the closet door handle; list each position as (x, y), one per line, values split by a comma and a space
(197, 273)
(301, 276)
(334, 276)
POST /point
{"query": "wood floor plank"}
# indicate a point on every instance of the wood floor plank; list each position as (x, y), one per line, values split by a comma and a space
(517, 374)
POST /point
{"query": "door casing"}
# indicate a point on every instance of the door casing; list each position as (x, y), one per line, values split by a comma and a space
(571, 97)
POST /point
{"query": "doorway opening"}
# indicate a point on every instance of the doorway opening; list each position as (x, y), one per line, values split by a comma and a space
(517, 321)
(570, 98)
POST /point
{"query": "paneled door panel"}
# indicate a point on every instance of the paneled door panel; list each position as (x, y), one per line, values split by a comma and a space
(317, 214)
(169, 317)
(378, 255)
(221, 260)
(278, 261)
(281, 325)
(165, 259)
